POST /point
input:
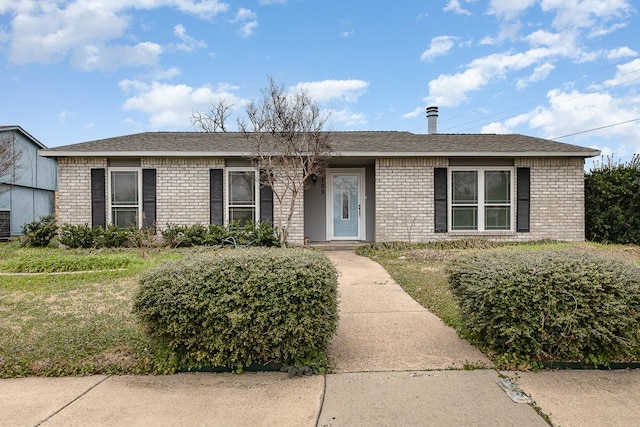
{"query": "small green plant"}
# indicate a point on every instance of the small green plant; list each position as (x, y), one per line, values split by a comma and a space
(237, 308)
(77, 236)
(39, 233)
(251, 234)
(111, 236)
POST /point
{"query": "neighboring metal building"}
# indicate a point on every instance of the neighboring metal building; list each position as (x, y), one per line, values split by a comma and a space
(27, 189)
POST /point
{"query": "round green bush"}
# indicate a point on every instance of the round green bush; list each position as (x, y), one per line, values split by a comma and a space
(235, 308)
(550, 305)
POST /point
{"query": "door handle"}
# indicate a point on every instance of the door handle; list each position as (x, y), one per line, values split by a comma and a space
(358, 210)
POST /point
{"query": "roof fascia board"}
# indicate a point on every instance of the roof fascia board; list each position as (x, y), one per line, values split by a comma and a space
(52, 153)
(470, 154)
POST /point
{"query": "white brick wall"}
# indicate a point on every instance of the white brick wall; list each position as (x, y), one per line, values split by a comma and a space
(403, 193)
(182, 189)
(557, 198)
(405, 200)
(281, 212)
(74, 189)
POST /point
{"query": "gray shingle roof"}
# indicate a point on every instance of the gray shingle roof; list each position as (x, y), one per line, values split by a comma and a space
(347, 144)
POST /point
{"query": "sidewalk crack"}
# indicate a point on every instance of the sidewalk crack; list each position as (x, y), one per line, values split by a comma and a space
(72, 401)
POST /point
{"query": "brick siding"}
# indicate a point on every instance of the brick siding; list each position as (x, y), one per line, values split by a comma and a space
(403, 193)
(405, 200)
(182, 189)
(74, 189)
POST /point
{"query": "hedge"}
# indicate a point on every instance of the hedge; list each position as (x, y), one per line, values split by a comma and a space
(237, 308)
(550, 305)
(612, 201)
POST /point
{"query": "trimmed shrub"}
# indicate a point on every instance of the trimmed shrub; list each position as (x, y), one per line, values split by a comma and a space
(549, 305)
(237, 308)
(40, 232)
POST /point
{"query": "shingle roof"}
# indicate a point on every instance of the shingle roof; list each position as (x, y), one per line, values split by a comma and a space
(346, 144)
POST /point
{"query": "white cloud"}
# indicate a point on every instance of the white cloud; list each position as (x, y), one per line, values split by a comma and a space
(49, 31)
(170, 106)
(571, 112)
(509, 9)
(415, 113)
(248, 29)
(247, 20)
(347, 118)
(97, 57)
(541, 72)
(64, 115)
(455, 7)
(621, 52)
(439, 46)
(546, 48)
(626, 74)
(450, 90)
(585, 13)
(189, 44)
(328, 90)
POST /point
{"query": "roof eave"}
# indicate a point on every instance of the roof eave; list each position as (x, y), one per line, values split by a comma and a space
(60, 153)
(584, 154)
(590, 153)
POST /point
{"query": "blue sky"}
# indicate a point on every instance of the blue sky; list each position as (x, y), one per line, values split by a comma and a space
(79, 70)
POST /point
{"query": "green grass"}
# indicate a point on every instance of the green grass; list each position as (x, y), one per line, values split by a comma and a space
(60, 323)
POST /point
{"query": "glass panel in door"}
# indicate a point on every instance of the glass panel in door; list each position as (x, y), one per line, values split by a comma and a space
(346, 215)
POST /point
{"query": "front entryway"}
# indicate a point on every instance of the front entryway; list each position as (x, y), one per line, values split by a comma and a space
(345, 204)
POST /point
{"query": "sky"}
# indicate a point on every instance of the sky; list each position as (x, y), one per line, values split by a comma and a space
(569, 70)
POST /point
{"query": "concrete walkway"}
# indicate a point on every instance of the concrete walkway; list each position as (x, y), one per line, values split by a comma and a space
(391, 361)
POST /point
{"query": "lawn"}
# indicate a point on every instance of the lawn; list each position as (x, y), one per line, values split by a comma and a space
(68, 312)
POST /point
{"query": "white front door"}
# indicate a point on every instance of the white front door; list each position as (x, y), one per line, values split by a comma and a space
(345, 204)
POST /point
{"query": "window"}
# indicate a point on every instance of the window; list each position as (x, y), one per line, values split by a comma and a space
(124, 197)
(242, 195)
(481, 200)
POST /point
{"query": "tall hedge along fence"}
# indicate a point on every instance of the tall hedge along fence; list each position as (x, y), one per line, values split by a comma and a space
(550, 305)
(612, 201)
(238, 308)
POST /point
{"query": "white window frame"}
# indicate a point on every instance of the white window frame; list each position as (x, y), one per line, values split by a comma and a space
(481, 202)
(227, 192)
(110, 205)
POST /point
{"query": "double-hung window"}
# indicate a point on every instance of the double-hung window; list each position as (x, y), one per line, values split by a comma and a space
(125, 189)
(481, 199)
(242, 195)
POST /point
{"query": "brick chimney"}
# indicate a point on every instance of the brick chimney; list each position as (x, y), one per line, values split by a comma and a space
(432, 119)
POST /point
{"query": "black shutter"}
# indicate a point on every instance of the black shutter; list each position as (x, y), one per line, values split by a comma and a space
(266, 204)
(148, 198)
(440, 202)
(216, 197)
(523, 202)
(98, 205)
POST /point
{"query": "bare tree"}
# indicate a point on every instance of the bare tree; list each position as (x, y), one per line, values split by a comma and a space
(288, 145)
(214, 120)
(9, 161)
